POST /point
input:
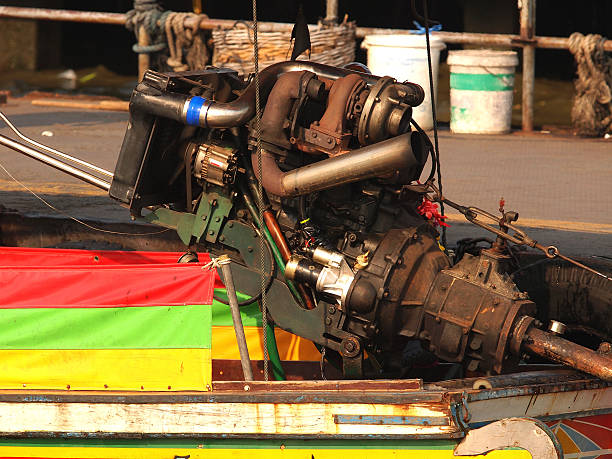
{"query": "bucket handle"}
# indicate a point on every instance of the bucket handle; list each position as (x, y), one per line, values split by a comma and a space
(505, 80)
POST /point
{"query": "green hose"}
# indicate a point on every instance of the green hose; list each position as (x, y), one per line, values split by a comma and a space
(277, 368)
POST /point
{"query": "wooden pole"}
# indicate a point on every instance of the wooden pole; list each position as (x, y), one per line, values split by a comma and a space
(331, 15)
(144, 59)
(206, 23)
(527, 36)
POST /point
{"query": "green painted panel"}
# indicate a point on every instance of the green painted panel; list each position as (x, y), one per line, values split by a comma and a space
(157, 327)
(222, 316)
(235, 443)
(482, 81)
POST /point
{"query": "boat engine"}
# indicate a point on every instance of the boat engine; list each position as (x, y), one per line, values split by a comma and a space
(348, 261)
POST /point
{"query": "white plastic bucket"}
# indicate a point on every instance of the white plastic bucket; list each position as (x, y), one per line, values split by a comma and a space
(404, 57)
(481, 87)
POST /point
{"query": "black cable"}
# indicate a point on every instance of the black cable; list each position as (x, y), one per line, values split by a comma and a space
(268, 281)
(427, 24)
(430, 150)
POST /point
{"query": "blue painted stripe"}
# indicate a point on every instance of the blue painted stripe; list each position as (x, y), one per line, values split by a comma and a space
(391, 420)
(193, 110)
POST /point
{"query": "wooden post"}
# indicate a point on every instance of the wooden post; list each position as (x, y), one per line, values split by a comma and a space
(527, 37)
(331, 15)
(144, 59)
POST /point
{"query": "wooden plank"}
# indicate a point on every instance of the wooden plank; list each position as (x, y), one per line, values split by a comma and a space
(541, 405)
(307, 386)
(221, 419)
(111, 105)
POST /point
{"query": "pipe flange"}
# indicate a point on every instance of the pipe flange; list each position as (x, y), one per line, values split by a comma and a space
(520, 328)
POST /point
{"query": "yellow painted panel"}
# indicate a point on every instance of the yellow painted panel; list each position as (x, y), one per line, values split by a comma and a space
(224, 453)
(290, 346)
(110, 369)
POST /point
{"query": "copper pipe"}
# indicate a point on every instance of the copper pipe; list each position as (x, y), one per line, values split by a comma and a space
(277, 234)
(563, 351)
(281, 243)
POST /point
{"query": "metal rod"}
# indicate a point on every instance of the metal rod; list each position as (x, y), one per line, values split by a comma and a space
(228, 281)
(53, 150)
(527, 34)
(206, 23)
(563, 351)
(55, 163)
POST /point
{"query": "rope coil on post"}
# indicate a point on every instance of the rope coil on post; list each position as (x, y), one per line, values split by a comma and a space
(179, 32)
(592, 108)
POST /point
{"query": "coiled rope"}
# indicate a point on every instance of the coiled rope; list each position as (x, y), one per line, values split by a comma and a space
(592, 108)
(180, 33)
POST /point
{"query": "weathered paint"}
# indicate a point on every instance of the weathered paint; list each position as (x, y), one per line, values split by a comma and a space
(167, 419)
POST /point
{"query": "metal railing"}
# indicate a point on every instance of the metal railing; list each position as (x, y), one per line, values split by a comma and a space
(527, 40)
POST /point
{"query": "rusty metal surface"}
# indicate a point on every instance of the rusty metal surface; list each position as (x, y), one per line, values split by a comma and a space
(563, 351)
(322, 386)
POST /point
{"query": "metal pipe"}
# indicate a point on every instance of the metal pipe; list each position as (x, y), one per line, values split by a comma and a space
(198, 111)
(228, 281)
(206, 23)
(563, 351)
(43, 147)
(59, 165)
(527, 34)
(404, 152)
(281, 242)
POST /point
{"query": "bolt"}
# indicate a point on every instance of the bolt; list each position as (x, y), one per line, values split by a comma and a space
(250, 249)
(218, 219)
(204, 217)
(314, 135)
(221, 238)
(332, 310)
(330, 140)
(328, 321)
(230, 225)
(605, 348)
(349, 346)
(211, 232)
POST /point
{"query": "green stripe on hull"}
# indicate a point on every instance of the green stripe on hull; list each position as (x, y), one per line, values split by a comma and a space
(157, 327)
(237, 444)
(482, 81)
(222, 316)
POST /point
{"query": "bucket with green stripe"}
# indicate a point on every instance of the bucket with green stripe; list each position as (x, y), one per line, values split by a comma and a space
(481, 89)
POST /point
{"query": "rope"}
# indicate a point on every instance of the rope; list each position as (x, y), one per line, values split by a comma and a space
(147, 14)
(180, 37)
(179, 32)
(592, 109)
(262, 260)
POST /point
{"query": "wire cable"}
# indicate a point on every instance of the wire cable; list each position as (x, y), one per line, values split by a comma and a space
(264, 305)
(52, 207)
